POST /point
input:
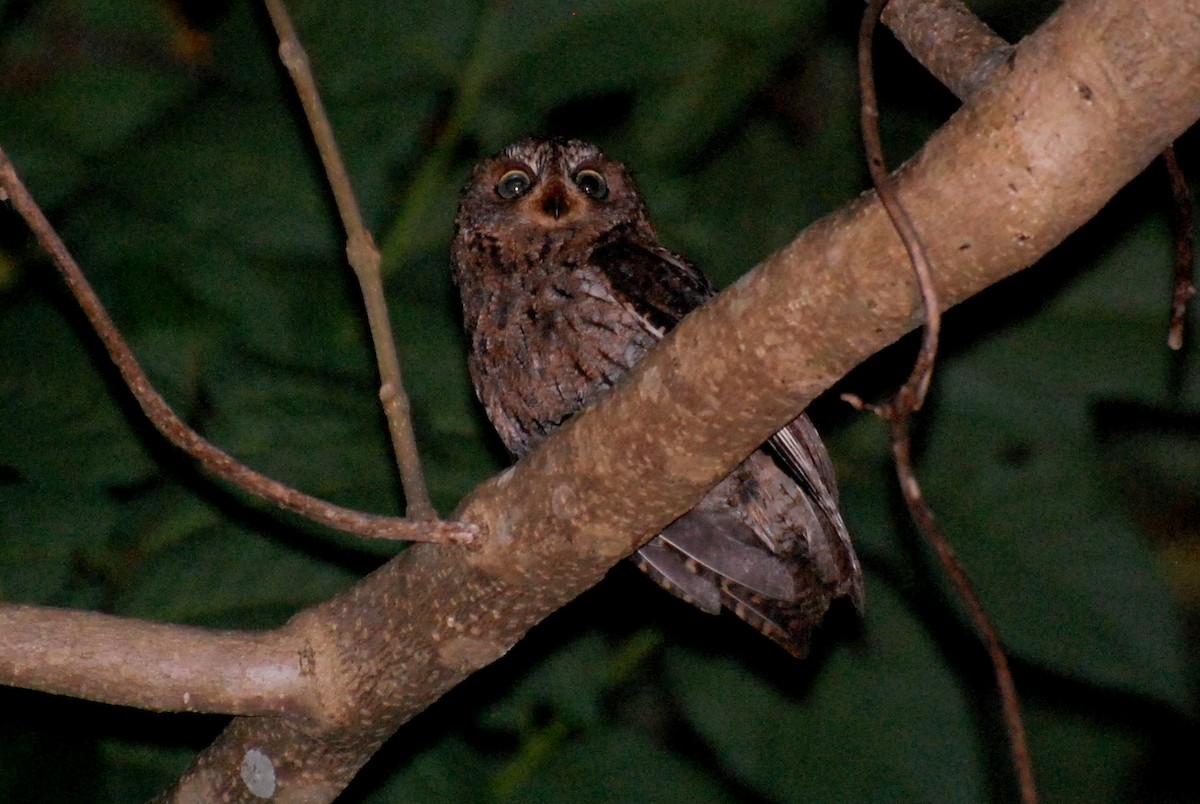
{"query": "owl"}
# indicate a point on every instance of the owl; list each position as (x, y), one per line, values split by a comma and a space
(564, 287)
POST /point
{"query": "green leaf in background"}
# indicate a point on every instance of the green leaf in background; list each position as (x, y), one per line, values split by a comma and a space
(60, 420)
(616, 766)
(83, 79)
(886, 720)
(321, 434)
(224, 576)
(459, 448)
(142, 770)
(44, 530)
(572, 683)
(1014, 467)
(451, 770)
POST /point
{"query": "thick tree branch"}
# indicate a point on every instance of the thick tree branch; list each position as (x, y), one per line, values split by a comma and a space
(1081, 108)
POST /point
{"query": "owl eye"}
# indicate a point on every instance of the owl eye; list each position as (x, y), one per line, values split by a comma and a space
(512, 184)
(592, 184)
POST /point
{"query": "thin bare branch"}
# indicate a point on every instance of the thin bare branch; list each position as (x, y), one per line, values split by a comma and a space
(155, 666)
(363, 257)
(922, 514)
(1184, 286)
(910, 397)
(731, 374)
(167, 422)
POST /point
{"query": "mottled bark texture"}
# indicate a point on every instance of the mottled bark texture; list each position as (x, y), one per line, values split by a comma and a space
(1081, 108)
(950, 42)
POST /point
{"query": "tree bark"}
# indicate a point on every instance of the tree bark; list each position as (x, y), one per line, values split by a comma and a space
(1081, 107)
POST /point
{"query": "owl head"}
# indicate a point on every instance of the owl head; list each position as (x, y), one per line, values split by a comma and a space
(541, 186)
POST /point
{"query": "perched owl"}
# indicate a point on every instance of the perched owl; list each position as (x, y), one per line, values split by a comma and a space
(564, 287)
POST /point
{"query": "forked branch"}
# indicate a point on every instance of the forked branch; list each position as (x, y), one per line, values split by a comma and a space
(727, 377)
(364, 258)
(735, 371)
(167, 422)
(954, 45)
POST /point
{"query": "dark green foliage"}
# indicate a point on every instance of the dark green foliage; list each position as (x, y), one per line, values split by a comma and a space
(1059, 448)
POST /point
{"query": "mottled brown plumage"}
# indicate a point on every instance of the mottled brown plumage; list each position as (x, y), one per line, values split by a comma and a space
(564, 287)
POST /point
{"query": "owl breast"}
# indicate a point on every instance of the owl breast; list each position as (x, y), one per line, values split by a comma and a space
(545, 349)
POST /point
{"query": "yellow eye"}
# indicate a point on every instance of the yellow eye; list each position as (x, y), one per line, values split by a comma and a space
(512, 184)
(592, 184)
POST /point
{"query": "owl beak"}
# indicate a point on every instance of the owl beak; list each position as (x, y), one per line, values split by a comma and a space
(554, 199)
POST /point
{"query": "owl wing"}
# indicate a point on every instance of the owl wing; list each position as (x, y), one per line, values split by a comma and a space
(803, 455)
(720, 556)
(658, 285)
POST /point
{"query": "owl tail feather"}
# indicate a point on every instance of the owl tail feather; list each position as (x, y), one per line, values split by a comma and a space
(669, 569)
(787, 620)
(788, 624)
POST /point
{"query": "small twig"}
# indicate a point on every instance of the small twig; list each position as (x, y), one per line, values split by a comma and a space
(1185, 287)
(364, 258)
(911, 396)
(167, 422)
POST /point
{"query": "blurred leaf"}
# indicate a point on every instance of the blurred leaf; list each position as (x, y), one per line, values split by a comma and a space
(60, 421)
(140, 771)
(885, 721)
(450, 423)
(571, 683)
(757, 194)
(231, 173)
(320, 434)
(81, 80)
(1083, 756)
(451, 770)
(1012, 465)
(44, 530)
(1152, 454)
(224, 577)
(363, 52)
(618, 766)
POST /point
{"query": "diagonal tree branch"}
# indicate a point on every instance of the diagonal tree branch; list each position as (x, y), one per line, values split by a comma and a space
(1082, 107)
